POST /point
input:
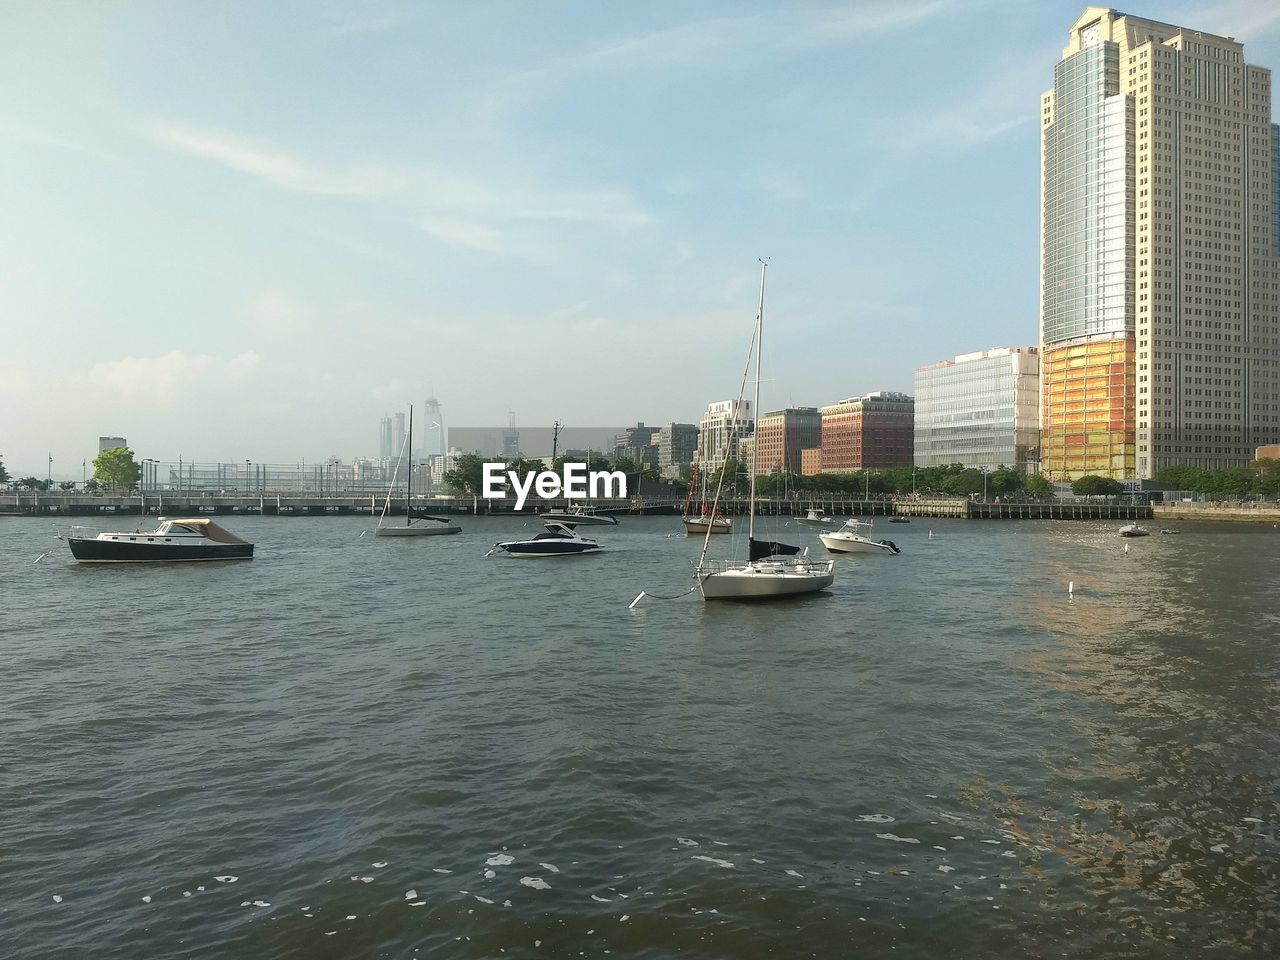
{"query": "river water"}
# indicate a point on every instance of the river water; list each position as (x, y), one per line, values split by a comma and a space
(359, 747)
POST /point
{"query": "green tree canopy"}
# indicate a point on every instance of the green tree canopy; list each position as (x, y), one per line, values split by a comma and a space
(1037, 486)
(4, 474)
(116, 468)
(1095, 486)
(467, 475)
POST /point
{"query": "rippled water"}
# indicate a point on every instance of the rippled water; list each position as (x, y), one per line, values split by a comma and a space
(354, 747)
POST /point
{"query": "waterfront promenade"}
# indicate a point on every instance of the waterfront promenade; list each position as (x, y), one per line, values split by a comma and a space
(302, 503)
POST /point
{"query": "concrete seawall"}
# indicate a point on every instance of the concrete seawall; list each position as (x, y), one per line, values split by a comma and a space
(1231, 512)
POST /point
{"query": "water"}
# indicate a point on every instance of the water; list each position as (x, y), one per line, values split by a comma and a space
(399, 748)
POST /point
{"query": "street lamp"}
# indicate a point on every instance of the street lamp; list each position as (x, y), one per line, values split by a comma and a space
(246, 476)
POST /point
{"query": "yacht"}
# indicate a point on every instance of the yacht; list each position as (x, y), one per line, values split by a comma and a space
(1133, 530)
(580, 515)
(558, 540)
(855, 537)
(172, 541)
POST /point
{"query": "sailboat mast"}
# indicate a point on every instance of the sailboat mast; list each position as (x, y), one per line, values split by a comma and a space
(408, 496)
(755, 404)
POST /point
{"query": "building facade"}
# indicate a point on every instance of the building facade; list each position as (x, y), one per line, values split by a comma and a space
(111, 443)
(873, 431)
(397, 435)
(721, 427)
(637, 445)
(1158, 317)
(782, 434)
(980, 409)
(677, 443)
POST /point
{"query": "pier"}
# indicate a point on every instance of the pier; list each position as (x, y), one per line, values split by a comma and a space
(338, 503)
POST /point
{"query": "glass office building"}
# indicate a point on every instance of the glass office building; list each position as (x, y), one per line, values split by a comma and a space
(980, 409)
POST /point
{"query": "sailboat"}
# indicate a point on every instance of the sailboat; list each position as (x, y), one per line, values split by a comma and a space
(771, 569)
(702, 523)
(430, 526)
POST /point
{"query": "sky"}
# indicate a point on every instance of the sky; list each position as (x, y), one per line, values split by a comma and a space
(240, 230)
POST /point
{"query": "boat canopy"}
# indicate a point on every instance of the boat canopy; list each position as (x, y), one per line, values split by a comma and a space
(769, 548)
(206, 527)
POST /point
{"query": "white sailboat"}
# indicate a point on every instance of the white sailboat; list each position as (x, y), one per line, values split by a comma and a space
(428, 526)
(771, 569)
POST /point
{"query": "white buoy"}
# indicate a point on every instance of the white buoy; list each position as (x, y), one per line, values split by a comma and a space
(930, 534)
(1071, 588)
(41, 557)
(1126, 548)
(638, 598)
(362, 533)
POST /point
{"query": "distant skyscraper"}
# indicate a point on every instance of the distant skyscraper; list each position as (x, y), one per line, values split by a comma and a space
(1159, 314)
(397, 434)
(980, 409)
(511, 438)
(384, 439)
(434, 438)
(677, 443)
(110, 443)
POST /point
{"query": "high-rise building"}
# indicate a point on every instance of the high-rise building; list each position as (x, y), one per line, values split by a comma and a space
(980, 409)
(434, 437)
(397, 434)
(110, 443)
(510, 438)
(721, 427)
(873, 431)
(677, 443)
(1158, 317)
(782, 434)
(636, 444)
(384, 439)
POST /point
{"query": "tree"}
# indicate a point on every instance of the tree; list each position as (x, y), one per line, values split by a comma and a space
(67, 485)
(1037, 486)
(467, 475)
(4, 474)
(32, 483)
(116, 468)
(93, 485)
(1095, 486)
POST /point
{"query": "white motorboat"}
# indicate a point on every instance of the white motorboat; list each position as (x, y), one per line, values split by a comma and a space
(580, 515)
(558, 540)
(856, 537)
(428, 526)
(772, 569)
(178, 540)
(816, 519)
(1133, 530)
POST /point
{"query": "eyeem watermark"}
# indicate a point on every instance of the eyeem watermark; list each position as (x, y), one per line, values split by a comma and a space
(578, 482)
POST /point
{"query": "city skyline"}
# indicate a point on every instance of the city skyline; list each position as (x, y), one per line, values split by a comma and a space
(327, 235)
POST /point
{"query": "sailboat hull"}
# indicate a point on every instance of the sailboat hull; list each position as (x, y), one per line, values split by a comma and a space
(766, 580)
(438, 530)
(699, 525)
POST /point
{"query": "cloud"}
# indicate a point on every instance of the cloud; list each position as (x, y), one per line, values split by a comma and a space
(172, 376)
(263, 162)
(726, 41)
(461, 209)
(1245, 20)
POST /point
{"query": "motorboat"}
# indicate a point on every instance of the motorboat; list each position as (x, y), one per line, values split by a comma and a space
(899, 520)
(427, 525)
(707, 524)
(1133, 530)
(178, 540)
(581, 515)
(771, 569)
(1170, 531)
(855, 537)
(816, 519)
(558, 540)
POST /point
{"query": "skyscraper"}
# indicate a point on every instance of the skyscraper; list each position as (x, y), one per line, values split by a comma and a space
(397, 435)
(384, 438)
(1158, 318)
(434, 438)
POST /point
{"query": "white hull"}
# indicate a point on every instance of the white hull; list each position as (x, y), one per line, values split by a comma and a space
(838, 544)
(765, 579)
(432, 531)
(698, 525)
